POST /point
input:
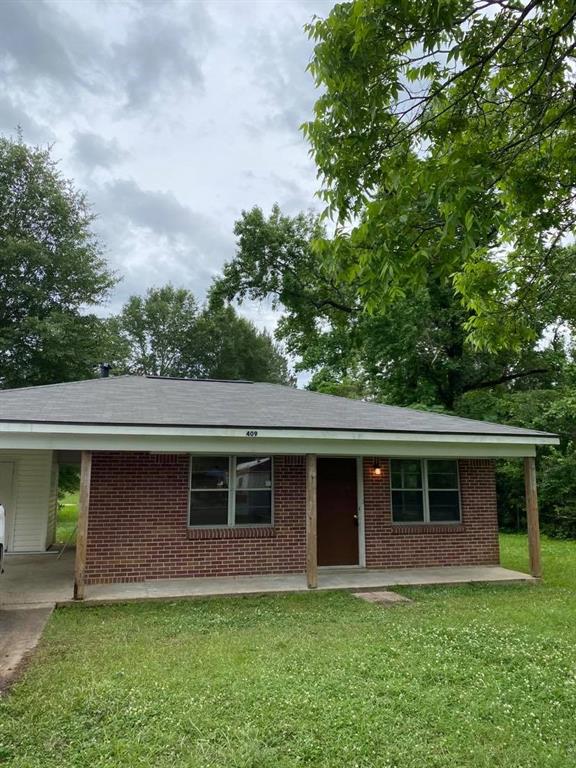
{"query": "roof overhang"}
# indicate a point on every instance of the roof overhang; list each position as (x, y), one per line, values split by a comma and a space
(97, 437)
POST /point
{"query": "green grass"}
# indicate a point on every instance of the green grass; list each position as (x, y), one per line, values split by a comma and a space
(471, 676)
(67, 519)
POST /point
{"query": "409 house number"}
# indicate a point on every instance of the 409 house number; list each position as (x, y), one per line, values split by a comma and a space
(252, 433)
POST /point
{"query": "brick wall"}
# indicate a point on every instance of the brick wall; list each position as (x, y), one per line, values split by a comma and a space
(137, 525)
(472, 542)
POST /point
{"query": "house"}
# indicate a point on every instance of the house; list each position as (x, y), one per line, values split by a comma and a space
(191, 478)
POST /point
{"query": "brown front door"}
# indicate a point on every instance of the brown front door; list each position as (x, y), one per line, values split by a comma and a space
(337, 512)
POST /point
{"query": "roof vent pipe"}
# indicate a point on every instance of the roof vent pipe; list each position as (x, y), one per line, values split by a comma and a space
(104, 370)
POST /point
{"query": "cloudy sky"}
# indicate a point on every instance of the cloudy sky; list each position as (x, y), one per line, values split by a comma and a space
(172, 115)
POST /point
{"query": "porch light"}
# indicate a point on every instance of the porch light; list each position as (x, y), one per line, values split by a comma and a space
(377, 469)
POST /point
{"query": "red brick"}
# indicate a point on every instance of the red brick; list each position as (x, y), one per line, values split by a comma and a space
(137, 527)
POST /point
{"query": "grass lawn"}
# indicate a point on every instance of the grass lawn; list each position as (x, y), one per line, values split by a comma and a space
(67, 519)
(481, 676)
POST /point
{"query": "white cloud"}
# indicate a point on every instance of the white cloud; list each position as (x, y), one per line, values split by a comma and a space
(173, 116)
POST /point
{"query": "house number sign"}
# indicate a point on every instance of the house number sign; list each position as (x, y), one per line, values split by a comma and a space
(252, 433)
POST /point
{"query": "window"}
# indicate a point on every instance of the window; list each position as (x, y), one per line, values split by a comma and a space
(209, 485)
(253, 502)
(229, 491)
(425, 491)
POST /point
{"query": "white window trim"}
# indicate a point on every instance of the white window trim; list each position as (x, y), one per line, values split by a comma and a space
(231, 490)
(425, 498)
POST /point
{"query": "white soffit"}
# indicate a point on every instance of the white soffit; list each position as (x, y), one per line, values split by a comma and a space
(23, 435)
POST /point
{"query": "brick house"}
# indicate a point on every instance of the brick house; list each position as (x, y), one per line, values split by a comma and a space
(194, 478)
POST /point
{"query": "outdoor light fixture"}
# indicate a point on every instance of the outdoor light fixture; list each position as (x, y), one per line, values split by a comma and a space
(377, 469)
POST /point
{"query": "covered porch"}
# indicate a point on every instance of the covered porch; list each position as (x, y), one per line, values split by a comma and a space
(41, 579)
(314, 576)
(32, 581)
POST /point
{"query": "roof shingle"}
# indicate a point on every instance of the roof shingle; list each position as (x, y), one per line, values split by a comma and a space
(155, 401)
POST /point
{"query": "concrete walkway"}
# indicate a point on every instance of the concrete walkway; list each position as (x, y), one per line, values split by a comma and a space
(329, 579)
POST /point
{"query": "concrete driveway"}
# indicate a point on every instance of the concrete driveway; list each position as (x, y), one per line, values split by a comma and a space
(20, 631)
(29, 588)
(36, 581)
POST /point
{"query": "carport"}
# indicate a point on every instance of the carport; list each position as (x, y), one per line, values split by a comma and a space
(32, 581)
(35, 571)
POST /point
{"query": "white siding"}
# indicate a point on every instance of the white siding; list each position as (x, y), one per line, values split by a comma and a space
(52, 504)
(27, 521)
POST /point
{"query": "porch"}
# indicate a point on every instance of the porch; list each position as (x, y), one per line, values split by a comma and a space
(355, 579)
(35, 580)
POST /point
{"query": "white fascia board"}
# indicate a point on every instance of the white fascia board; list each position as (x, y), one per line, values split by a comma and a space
(255, 434)
(278, 442)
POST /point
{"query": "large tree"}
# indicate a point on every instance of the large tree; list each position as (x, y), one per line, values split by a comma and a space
(415, 351)
(445, 137)
(51, 271)
(166, 333)
(551, 406)
(151, 332)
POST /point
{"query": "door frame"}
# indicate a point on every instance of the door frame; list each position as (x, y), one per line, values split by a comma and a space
(359, 511)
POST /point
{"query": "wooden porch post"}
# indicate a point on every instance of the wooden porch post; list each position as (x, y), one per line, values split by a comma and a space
(82, 530)
(311, 523)
(532, 516)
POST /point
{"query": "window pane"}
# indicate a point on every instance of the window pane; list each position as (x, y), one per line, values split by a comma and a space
(444, 506)
(406, 473)
(253, 507)
(209, 472)
(442, 473)
(407, 507)
(254, 472)
(208, 507)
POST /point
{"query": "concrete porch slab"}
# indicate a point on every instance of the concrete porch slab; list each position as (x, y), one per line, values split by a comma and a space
(329, 579)
(31, 581)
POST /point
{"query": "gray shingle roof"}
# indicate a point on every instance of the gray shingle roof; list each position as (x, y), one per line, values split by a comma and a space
(150, 401)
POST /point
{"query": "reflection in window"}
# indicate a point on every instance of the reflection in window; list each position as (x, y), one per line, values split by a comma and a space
(425, 490)
(230, 490)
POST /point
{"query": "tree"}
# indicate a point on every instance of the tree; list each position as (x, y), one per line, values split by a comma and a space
(445, 136)
(552, 407)
(413, 353)
(166, 333)
(51, 269)
(275, 262)
(231, 347)
(416, 351)
(153, 331)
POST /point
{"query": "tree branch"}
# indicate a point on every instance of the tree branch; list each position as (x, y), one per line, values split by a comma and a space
(503, 379)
